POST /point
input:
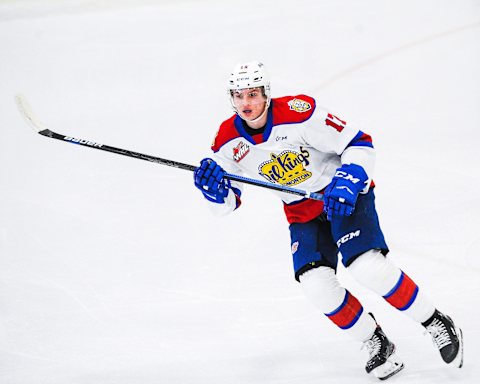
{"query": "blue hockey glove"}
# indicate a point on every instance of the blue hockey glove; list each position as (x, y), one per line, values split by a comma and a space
(209, 179)
(341, 194)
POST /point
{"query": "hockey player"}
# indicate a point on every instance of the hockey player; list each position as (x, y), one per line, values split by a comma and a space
(291, 141)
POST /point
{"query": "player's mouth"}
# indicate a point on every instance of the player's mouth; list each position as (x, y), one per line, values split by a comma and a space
(247, 111)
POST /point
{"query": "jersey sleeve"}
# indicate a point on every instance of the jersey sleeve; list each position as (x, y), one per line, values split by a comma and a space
(360, 151)
(226, 133)
(330, 134)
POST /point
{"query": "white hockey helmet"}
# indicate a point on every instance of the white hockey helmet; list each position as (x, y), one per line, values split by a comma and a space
(250, 75)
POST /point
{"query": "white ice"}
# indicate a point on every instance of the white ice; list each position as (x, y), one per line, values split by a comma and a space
(113, 271)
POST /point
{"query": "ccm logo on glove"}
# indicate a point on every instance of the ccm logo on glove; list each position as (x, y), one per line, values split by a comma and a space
(346, 176)
(341, 194)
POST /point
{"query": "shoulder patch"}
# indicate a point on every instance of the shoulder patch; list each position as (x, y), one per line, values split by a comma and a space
(299, 105)
(292, 109)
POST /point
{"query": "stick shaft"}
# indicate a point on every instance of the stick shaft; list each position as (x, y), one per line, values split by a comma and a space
(29, 116)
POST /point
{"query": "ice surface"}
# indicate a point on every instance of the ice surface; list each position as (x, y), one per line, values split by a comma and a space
(113, 271)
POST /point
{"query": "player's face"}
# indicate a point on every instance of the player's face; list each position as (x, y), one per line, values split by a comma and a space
(250, 103)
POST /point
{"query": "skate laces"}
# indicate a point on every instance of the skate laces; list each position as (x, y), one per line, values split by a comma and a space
(373, 345)
(439, 333)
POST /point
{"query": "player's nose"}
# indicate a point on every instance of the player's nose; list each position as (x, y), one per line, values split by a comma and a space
(245, 103)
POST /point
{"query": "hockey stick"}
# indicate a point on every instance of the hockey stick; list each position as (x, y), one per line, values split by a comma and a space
(38, 127)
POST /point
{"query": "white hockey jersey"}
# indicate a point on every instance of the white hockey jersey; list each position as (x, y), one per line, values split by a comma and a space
(301, 146)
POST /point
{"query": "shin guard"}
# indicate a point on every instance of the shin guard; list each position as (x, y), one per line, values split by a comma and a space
(323, 289)
(377, 273)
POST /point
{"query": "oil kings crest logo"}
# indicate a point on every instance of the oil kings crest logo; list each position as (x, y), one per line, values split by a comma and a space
(240, 151)
(299, 105)
(286, 168)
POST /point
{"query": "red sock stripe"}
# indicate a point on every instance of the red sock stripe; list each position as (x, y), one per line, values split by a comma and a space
(403, 294)
(348, 313)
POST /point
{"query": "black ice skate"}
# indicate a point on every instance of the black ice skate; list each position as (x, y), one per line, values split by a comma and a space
(447, 338)
(383, 362)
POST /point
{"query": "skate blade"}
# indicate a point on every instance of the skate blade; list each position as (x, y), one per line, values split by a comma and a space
(392, 366)
(458, 361)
